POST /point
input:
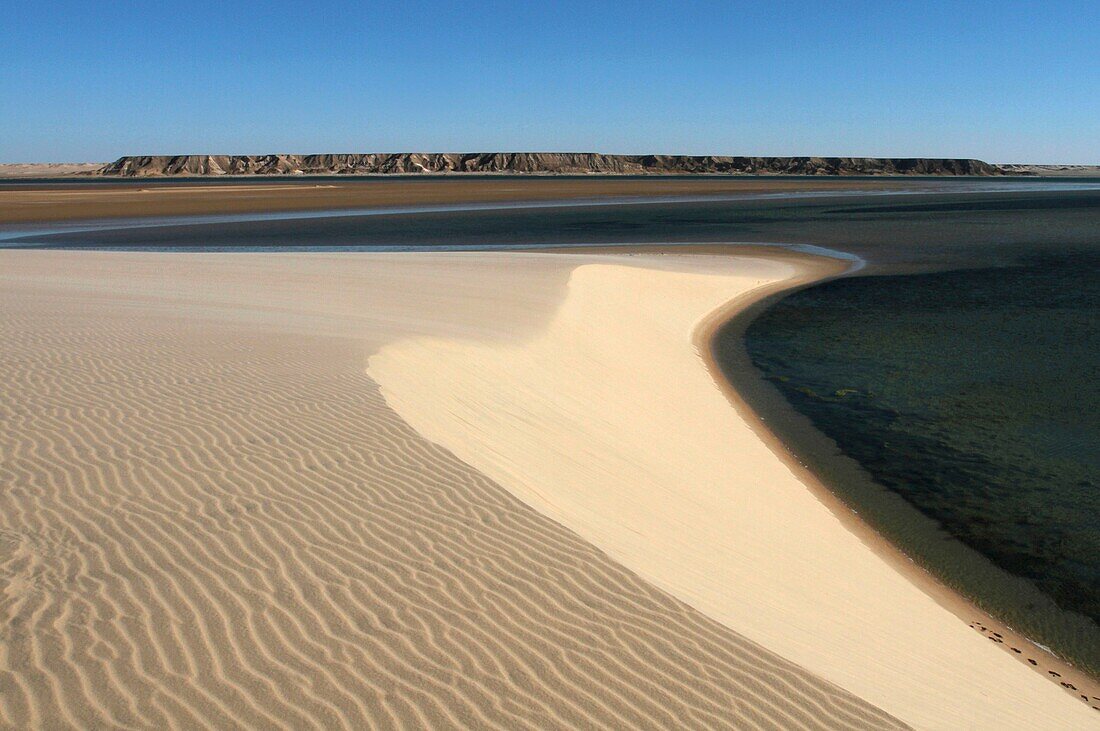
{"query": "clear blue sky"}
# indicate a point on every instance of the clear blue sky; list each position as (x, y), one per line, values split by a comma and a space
(1000, 80)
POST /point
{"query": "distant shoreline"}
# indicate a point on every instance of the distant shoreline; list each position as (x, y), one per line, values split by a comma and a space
(80, 198)
(147, 197)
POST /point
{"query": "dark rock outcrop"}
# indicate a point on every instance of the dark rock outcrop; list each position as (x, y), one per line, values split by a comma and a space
(533, 163)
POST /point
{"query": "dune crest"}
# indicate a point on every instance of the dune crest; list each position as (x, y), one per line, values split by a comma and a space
(609, 423)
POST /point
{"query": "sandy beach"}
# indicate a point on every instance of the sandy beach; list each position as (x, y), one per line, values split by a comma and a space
(437, 489)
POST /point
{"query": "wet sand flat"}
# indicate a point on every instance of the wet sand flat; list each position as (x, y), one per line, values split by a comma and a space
(120, 198)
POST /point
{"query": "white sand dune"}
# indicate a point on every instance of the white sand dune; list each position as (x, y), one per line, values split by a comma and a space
(211, 515)
(608, 422)
(210, 518)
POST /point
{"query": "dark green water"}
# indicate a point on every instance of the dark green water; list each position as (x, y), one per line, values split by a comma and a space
(950, 392)
(974, 395)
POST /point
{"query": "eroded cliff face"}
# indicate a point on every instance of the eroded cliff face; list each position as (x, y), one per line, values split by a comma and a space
(533, 163)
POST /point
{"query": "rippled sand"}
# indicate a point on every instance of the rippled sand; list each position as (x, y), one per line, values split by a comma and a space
(214, 523)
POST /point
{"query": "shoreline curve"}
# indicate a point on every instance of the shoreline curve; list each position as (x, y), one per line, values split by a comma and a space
(438, 405)
(957, 602)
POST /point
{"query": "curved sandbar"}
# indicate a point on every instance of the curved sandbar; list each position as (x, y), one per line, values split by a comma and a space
(608, 422)
(209, 518)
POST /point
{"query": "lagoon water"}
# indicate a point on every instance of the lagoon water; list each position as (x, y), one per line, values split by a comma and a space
(949, 390)
(974, 395)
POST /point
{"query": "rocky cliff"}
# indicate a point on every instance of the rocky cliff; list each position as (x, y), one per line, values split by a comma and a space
(532, 163)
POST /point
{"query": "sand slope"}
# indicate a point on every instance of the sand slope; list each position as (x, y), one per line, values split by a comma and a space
(209, 517)
(608, 422)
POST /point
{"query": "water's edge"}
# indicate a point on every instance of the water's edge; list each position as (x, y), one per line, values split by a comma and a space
(948, 562)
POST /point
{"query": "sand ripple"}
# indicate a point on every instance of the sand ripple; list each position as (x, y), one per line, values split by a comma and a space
(205, 526)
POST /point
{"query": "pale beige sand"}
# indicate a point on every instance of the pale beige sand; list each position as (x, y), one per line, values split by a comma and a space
(210, 518)
(608, 422)
(46, 169)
